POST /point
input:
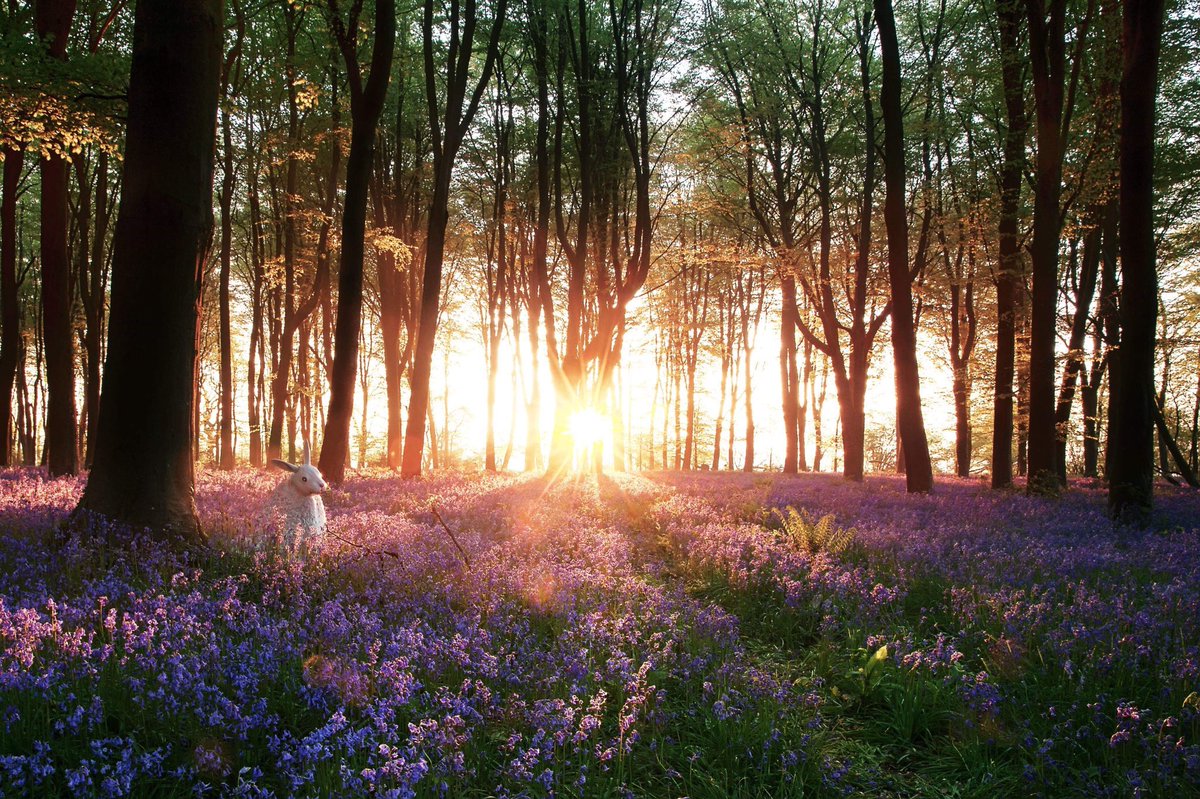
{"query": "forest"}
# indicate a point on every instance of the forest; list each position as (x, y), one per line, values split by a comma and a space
(600, 398)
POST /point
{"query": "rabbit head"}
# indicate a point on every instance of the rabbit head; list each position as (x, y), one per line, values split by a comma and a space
(306, 478)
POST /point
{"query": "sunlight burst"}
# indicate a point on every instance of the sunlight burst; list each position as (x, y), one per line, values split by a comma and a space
(588, 427)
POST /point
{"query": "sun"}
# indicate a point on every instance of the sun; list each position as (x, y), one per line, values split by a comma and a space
(588, 427)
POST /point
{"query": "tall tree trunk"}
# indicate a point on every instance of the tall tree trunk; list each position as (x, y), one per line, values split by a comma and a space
(10, 314)
(1008, 279)
(1131, 419)
(748, 399)
(1047, 48)
(431, 292)
(92, 295)
(715, 463)
(817, 403)
(390, 322)
(533, 409)
(258, 270)
(918, 468)
(288, 323)
(366, 104)
(143, 473)
(806, 376)
(1105, 335)
(1194, 444)
(789, 380)
(452, 126)
(1089, 269)
(1023, 400)
(26, 417)
(52, 20)
(225, 455)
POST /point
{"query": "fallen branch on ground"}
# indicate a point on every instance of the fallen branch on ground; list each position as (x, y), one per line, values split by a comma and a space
(450, 532)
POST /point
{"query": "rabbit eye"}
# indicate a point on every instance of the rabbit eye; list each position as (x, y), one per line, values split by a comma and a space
(305, 479)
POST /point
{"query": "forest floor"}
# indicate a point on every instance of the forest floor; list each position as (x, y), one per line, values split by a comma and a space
(658, 635)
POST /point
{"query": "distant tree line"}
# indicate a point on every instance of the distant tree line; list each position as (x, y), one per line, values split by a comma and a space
(211, 237)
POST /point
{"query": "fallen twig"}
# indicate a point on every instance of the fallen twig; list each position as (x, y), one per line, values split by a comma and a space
(450, 532)
(391, 553)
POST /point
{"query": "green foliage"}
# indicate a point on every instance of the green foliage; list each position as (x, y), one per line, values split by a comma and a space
(54, 107)
(814, 536)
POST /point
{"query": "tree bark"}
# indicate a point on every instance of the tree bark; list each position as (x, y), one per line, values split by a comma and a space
(447, 138)
(1009, 273)
(52, 21)
(143, 472)
(10, 314)
(789, 379)
(92, 296)
(1047, 41)
(366, 104)
(1089, 268)
(1131, 419)
(918, 468)
(225, 454)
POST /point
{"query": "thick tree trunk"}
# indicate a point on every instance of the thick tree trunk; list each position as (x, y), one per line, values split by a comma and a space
(458, 113)
(1131, 419)
(52, 21)
(1008, 279)
(366, 104)
(431, 294)
(918, 468)
(1047, 46)
(143, 471)
(10, 314)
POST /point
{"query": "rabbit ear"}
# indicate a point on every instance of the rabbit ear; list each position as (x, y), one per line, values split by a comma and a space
(307, 456)
(287, 467)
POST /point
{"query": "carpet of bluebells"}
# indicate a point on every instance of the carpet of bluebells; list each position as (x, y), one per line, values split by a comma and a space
(661, 635)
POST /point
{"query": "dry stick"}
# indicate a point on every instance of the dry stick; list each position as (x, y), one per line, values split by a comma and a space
(391, 553)
(450, 532)
(358, 545)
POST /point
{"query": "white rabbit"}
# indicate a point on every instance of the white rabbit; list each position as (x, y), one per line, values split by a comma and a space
(298, 500)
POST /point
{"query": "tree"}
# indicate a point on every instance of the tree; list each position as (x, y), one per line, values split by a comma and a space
(449, 126)
(1053, 104)
(796, 106)
(1131, 425)
(225, 454)
(1009, 272)
(400, 207)
(10, 312)
(918, 469)
(52, 21)
(366, 104)
(143, 473)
